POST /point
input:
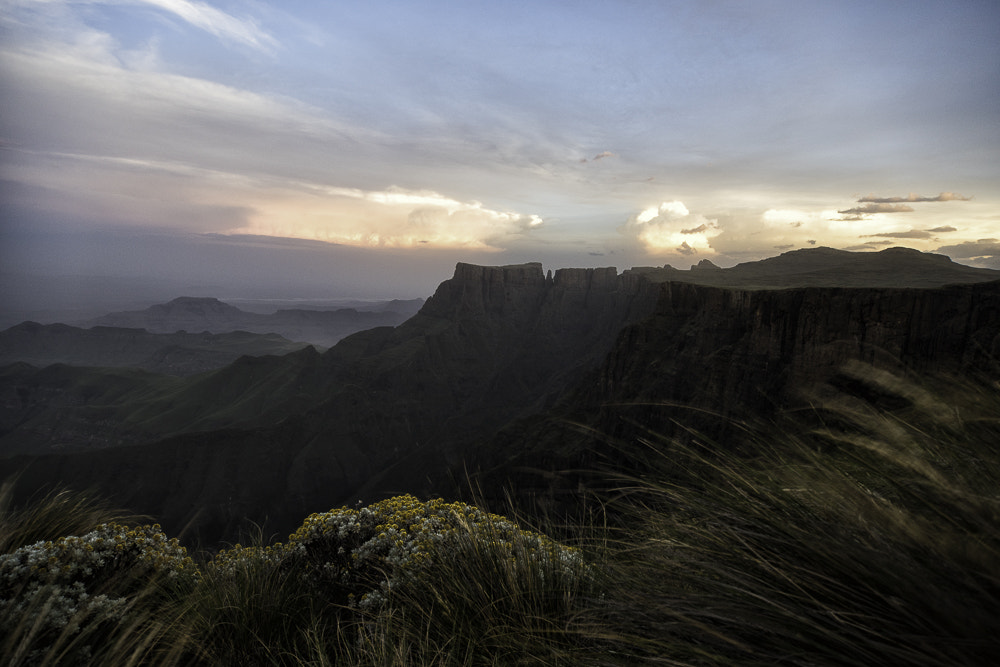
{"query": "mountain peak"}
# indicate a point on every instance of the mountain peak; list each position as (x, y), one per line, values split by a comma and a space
(704, 264)
(197, 304)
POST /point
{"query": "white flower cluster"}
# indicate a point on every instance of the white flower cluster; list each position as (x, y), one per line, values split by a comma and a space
(53, 586)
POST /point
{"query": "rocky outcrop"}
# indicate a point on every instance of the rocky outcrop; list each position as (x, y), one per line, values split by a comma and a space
(709, 360)
(729, 349)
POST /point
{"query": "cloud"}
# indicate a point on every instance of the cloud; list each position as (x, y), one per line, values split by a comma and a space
(205, 17)
(910, 234)
(670, 227)
(945, 228)
(880, 207)
(967, 249)
(703, 227)
(783, 218)
(870, 245)
(599, 156)
(983, 253)
(944, 196)
(390, 218)
(784, 246)
(811, 241)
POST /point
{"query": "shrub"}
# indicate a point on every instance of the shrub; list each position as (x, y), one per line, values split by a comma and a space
(64, 597)
(425, 578)
(360, 556)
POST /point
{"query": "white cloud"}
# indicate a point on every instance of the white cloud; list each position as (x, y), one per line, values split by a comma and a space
(671, 228)
(394, 218)
(218, 23)
(201, 15)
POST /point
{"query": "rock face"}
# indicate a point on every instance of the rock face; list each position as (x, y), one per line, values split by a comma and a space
(719, 348)
(477, 380)
(493, 344)
(709, 359)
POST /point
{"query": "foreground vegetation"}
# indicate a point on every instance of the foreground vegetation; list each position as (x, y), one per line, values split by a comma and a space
(868, 533)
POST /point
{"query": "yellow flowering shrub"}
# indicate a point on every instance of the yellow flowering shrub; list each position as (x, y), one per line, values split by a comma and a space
(362, 555)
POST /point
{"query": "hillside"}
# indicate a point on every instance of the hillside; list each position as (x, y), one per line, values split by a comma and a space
(485, 377)
(828, 267)
(179, 353)
(318, 327)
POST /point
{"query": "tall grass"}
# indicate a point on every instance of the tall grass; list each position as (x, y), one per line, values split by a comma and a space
(115, 613)
(870, 538)
(52, 515)
(865, 531)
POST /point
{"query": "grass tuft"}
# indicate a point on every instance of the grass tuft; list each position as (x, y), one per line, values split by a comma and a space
(865, 531)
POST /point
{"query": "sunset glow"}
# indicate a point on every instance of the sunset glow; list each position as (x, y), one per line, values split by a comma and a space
(594, 135)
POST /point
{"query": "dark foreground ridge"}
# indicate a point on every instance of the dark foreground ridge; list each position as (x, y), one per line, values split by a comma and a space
(484, 380)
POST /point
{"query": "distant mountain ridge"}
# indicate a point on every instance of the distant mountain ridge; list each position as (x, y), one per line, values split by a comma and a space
(486, 376)
(197, 314)
(178, 353)
(828, 267)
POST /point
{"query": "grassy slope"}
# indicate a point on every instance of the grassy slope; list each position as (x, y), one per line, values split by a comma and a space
(863, 536)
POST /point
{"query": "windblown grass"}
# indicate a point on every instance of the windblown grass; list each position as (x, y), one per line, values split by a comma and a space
(870, 539)
(51, 516)
(863, 532)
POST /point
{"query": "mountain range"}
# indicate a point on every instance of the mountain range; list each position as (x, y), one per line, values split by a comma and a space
(179, 353)
(318, 327)
(191, 335)
(514, 377)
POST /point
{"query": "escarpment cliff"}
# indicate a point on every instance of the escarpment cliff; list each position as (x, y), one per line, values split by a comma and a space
(491, 345)
(729, 349)
(485, 377)
(710, 359)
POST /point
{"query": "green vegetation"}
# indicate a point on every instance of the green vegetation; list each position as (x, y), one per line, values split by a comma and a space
(387, 584)
(867, 532)
(870, 538)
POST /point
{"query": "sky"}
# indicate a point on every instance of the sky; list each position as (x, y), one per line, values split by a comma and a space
(362, 148)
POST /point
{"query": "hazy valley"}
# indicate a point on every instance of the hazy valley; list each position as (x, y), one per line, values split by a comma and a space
(484, 380)
(724, 454)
